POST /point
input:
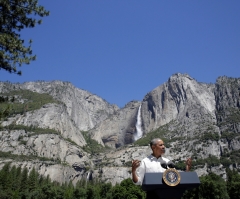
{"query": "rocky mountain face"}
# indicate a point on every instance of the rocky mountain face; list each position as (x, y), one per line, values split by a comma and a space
(119, 129)
(181, 98)
(227, 95)
(49, 153)
(195, 120)
(187, 107)
(85, 109)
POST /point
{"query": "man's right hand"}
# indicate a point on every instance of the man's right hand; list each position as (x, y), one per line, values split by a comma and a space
(135, 164)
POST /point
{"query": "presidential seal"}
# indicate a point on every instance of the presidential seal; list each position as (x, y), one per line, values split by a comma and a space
(171, 177)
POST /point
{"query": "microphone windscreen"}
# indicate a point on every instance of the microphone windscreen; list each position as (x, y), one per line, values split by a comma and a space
(171, 164)
(164, 165)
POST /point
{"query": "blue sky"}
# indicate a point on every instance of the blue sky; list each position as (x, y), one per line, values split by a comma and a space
(122, 49)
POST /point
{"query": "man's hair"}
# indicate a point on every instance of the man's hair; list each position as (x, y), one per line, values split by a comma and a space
(154, 141)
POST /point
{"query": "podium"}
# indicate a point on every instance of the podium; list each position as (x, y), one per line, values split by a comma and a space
(153, 182)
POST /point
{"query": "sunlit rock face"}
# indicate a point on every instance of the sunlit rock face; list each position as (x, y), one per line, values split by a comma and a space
(50, 154)
(84, 108)
(227, 94)
(199, 120)
(56, 172)
(51, 146)
(181, 98)
(78, 110)
(52, 116)
(119, 129)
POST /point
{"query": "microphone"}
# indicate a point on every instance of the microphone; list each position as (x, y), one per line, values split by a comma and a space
(164, 165)
(171, 164)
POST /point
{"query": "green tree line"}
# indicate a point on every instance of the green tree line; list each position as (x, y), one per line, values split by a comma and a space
(215, 187)
(18, 183)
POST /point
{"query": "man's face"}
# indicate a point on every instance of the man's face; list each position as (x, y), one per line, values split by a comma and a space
(158, 148)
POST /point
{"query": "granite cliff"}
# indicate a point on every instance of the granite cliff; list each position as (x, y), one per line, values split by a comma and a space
(69, 134)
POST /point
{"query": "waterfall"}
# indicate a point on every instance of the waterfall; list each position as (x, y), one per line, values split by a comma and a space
(88, 175)
(138, 125)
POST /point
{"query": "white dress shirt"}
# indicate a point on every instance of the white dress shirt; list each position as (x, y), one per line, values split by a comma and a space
(150, 164)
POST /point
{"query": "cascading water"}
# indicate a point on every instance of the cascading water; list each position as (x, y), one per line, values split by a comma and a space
(139, 132)
(88, 175)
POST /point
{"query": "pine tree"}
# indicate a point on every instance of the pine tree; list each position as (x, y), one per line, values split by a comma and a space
(18, 178)
(105, 189)
(16, 15)
(32, 180)
(69, 190)
(12, 177)
(23, 184)
(213, 187)
(233, 183)
(4, 177)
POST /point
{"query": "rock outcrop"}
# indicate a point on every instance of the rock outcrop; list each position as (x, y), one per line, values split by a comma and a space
(181, 98)
(195, 119)
(84, 108)
(52, 116)
(119, 129)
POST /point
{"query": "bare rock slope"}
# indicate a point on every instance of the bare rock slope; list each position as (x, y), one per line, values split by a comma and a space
(195, 119)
